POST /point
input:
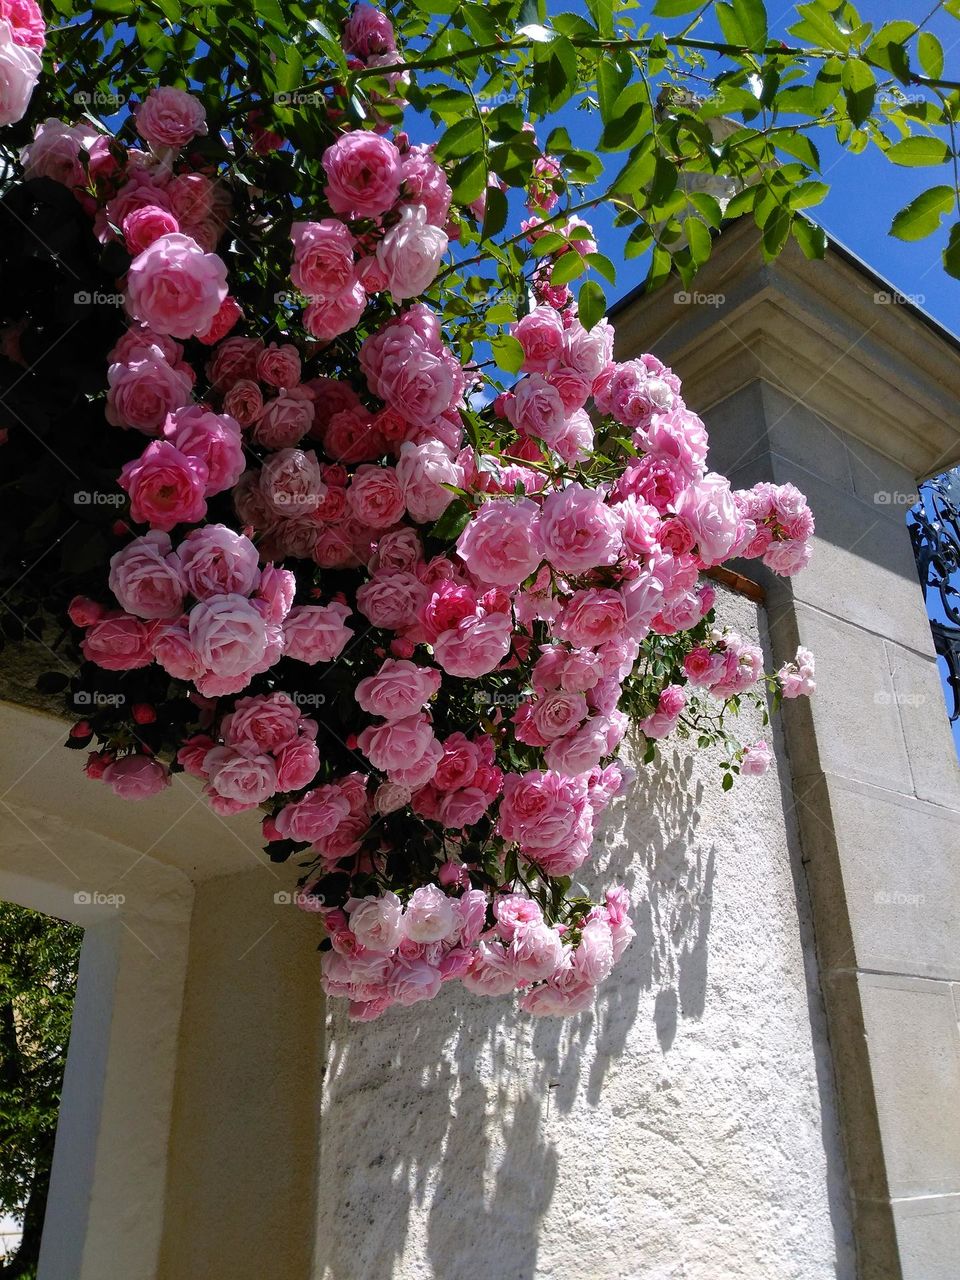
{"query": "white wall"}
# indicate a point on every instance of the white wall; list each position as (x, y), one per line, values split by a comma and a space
(685, 1128)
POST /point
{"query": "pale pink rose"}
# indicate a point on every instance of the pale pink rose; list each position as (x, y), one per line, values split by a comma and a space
(513, 911)
(501, 542)
(756, 759)
(475, 646)
(543, 811)
(579, 530)
(391, 796)
(391, 600)
(19, 72)
(143, 391)
(214, 560)
(420, 383)
(420, 772)
(397, 745)
(424, 182)
(26, 21)
(323, 258)
(473, 915)
(170, 118)
(234, 358)
(411, 252)
(376, 497)
(170, 645)
(398, 549)
(278, 365)
(145, 579)
(536, 951)
(797, 678)
(399, 689)
(412, 980)
(581, 750)
(592, 617)
(423, 470)
(557, 714)
(141, 227)
(430, 916)
(212, 438)
(191, 197)
(176, 288)
(540, 333)
(363, 174)
(244, 402)
(491, 973)
(317, 815)
(588, 351)
(228, 634)
(238, 775)
(136, 777)
(166, 487)
(117, 642)
(316, 632)
(787, 558)
(284, 422)
(558, 998)
(290, 482)
(377, 922)
(275, 593)
(536, 409)
(593, 958)
(679, 439)
(710, 513)
(55, 149)
(368, 32)
(327, 318)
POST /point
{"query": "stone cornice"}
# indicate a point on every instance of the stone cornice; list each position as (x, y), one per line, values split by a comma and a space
(817, 331)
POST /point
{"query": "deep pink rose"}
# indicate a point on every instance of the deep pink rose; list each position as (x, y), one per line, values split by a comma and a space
(375, 496)
(144, 577)
(363, 174)
(214, 560)
(118, 642)
(323, 266)
(244, 402)
(175, 287)
(170, 118)
(297, 765)
(316, 632)
(166, 487)
(136, 777)
(399, 689)
(326, 318)
(368, 32)
(279, 365)
(141, 227)
(214, 439)
(26, 21)
(501, 542)
(234, 358)
(144, 391)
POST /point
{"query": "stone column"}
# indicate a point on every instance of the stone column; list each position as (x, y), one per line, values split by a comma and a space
(812, 373)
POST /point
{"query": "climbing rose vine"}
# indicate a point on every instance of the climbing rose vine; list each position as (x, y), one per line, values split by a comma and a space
(405, 609)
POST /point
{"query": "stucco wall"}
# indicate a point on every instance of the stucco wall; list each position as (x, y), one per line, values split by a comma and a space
(684, 1128)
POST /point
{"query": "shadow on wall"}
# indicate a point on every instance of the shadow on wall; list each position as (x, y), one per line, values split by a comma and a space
(436, 1150)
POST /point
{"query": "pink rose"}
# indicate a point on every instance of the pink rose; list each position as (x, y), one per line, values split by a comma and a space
(423, 470)
(363, 174)
(323, 265)
(166, 487)
(297, 764)
(238, 775)
(501, 542)
(391, 600)
(592, 617)
(244, 402)
(536, 409)
(212, 438)
(263, 724)
(756, 759)
(540, 333)
(418, 382)
(144, 390)
(26, 21)
(710, 513)
(141, 227)
(279, 365)
(55, 149)
(145, 579)
(136, 777)
(234, 358)
(536, 951)
(376, 497)
(593, 957)
(214, 561)
(557, 714)
(491, 973)
(413, 980)
(397, 744)
(424, 182)
(316, 633)
(176, 288)
(376, 922)
(430, 915)
(170, 118)
(117, 643)
(368, 32)
(171, 647)
(513, 911)
(579, 531)
(283, 422)
(399, 689)
(317, 815)
(290, 482)
(475, 646)
(326, 318)
(19, 72)
(228, 634)
(411, 252)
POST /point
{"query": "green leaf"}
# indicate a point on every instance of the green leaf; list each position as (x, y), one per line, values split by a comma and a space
(602, 264)
(495, 213)
(554, 75)
(951, 254)
(806, 194)
(460, 139)
(752, 17)
(568, 266)
(675, 8)
(470, 179)
(591, 304)
(507, 352)
(922, 216)
(916, 151)
(860, 89)
(698, 238)
(811, 238)
(799, 145)
(776, 229)
(453, 521)
(930, 51)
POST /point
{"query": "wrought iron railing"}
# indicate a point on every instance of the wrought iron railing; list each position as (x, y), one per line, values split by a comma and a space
(935, 532)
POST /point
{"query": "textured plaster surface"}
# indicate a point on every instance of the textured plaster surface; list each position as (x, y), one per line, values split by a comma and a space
(684, 1129)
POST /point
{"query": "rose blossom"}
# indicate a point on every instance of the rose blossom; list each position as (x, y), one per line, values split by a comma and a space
(593, 958)
(212, 438)
(323, 258)
(377, 922)
(297, 764)
(413, 980)
(397, 744)
(710, 513)
(166, 487)
(279, 365)
(430, 915)
(363, 174)
(399, 689)
(170, 118)
(144, 390)
(262, 724)
(238, 775)
(141, 227)
(474, 646)
(176, 288)
(228, 634)
(145, 579)
(316, 633)
(214, 560)
(234, 358)
(410, 253)
(756, 759)
(579, 531)
(536, 951)
(326, 318)
(117, 642)
(26, 20)
(55, 149)
(283, 422)
(317, 815)
(501, 542)
(423, 470)
(376, 497)
(290, 482)
(19, 72)
(136, 777)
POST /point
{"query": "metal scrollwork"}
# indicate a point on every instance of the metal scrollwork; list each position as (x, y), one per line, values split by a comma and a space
(935, 532)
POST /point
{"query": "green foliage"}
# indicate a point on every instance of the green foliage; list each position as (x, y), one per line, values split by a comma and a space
(38, 976)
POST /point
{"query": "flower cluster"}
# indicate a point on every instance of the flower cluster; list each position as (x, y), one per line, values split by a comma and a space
(22, 37)
(478, 602)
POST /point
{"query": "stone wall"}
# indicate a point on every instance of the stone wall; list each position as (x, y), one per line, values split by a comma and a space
(684, 1128)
